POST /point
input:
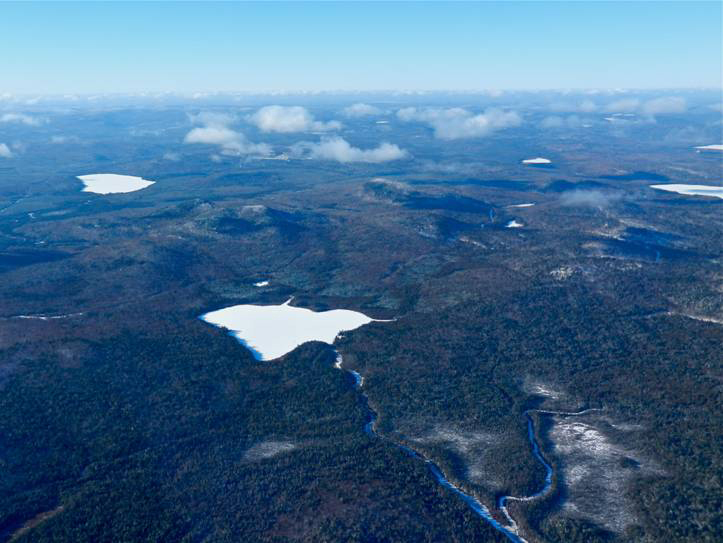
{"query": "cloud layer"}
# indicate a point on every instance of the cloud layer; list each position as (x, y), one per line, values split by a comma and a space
(215, 131)
(5, 151)
(288, 119)
(338, 149)
(588, 198)
(664, 105)
(20, 118)
(456, 123)
(361, 110)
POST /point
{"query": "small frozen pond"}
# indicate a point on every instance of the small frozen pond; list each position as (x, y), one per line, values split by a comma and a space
(271, 331)
(692, 190)
(111, 183)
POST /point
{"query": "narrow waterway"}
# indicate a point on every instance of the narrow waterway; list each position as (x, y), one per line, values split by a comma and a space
(510, 529)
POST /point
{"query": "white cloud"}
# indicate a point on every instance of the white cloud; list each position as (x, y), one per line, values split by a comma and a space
(173, 157)
(20, 118)
(588, 198)
(212, 118)
(554, 121)
(455, 123)
(361, 110)
(338, 149)
(626, 105)
(651, 108)
(586, 106)
(215, 131)
(287, 119)
(5, 151)
(64, 139)
(665, 105)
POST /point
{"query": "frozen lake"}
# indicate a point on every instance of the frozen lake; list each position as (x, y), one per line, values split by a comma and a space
(692, 190)
(111, 183)
(271, 331)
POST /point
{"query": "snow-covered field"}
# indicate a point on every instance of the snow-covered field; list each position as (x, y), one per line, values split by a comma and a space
(111, 183)
(692, 190)
(271, 331)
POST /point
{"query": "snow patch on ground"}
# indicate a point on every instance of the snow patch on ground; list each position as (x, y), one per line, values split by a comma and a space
(474, 448)
(564, 272)
(596, 469)
(268, 449)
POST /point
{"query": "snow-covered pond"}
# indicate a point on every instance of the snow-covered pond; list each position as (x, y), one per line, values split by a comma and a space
(692, 190)
(112, 183)
(538, 160)
(271, 331)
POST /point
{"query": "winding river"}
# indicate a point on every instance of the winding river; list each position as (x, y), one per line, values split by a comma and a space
(509, 530)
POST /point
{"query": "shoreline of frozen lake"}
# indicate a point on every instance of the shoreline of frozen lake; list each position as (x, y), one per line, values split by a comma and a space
(112, 183)
(692, 190)
(538, 160)
(271, 331)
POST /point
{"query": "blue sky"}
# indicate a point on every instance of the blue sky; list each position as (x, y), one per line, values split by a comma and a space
(188, 47)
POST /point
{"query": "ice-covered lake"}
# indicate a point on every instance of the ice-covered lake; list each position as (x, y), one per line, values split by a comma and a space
(112, 183)
(692, 190)
(271, 331)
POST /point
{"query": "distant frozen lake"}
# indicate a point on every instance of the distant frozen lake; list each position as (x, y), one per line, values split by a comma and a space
(111, 183)
(271, 331)
(692, 190)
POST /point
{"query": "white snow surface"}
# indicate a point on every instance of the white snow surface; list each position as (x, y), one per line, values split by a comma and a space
(271, 331)
(692, 190)
(111, 183)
